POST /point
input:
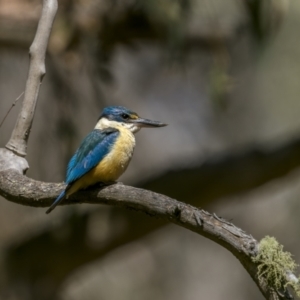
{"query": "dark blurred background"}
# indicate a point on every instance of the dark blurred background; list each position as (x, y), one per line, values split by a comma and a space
(224, 74)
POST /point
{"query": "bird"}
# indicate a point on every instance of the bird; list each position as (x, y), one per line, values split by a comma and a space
(105, 152)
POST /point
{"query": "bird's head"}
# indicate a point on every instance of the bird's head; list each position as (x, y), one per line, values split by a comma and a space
(115, 116)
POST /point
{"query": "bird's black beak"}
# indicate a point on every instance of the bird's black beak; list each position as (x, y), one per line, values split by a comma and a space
(147, 123)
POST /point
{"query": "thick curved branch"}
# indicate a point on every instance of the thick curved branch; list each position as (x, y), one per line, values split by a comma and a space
(37, 70)
(23, 190)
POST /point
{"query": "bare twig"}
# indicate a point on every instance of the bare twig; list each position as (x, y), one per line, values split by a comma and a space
(26, 191)
(14, 104)
(37, 70)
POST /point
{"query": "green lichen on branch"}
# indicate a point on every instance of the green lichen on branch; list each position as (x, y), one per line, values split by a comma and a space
(274, 265)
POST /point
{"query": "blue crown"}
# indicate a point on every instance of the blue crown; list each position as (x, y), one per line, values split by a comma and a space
(116, 113)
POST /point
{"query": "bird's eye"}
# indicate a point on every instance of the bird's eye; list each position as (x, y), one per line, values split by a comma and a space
(125, 116)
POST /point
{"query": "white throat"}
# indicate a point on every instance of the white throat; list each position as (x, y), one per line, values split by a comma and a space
(105, 123)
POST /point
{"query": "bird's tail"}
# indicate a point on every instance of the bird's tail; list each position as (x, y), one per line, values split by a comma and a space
(57, 201)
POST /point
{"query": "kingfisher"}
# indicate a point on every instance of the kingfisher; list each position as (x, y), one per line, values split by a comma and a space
(104, 153)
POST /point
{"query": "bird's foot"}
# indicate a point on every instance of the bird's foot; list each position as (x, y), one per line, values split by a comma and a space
(103, 184)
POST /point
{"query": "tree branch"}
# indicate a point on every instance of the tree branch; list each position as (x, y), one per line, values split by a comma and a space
(20, 189)
(23, 190)
(37, 70)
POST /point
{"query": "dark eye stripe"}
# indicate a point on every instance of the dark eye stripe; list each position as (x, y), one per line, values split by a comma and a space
(125, 116)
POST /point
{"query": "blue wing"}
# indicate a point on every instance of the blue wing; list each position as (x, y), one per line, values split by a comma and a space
(91, 151)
